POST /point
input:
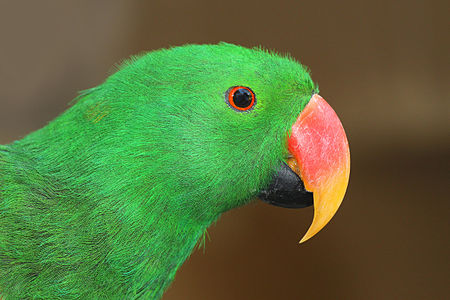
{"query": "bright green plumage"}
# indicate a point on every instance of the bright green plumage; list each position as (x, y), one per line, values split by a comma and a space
(109, 199)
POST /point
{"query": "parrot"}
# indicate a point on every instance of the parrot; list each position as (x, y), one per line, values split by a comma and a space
(110, 198)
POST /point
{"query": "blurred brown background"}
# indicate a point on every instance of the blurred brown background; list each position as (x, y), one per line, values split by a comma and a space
(382, 65)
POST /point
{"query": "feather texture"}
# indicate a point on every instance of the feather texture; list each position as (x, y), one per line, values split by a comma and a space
(110, 198)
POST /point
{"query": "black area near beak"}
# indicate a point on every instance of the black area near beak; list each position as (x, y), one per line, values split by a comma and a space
(287, 190)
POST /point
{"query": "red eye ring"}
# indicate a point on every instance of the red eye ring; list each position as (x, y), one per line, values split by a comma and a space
(240, 98)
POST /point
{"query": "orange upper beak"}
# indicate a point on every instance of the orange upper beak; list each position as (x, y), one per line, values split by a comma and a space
(320, 148)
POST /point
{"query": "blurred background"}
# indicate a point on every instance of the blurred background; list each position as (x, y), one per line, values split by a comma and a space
(382, 65)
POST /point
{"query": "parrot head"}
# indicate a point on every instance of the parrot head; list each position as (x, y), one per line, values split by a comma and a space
(206, 128)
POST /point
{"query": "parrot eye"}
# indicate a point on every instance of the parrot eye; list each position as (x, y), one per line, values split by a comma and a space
(240, 98)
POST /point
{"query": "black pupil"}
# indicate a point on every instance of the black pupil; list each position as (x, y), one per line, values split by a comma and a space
(242, 98)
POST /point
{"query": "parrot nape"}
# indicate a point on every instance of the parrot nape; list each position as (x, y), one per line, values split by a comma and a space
(110, 198)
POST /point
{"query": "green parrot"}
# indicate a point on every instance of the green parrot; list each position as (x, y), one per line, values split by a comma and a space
(109, 199)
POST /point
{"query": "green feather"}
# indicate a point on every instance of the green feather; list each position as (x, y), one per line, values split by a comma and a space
(110, 198)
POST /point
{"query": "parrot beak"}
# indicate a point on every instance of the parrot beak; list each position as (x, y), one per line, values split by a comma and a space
(319, 167)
